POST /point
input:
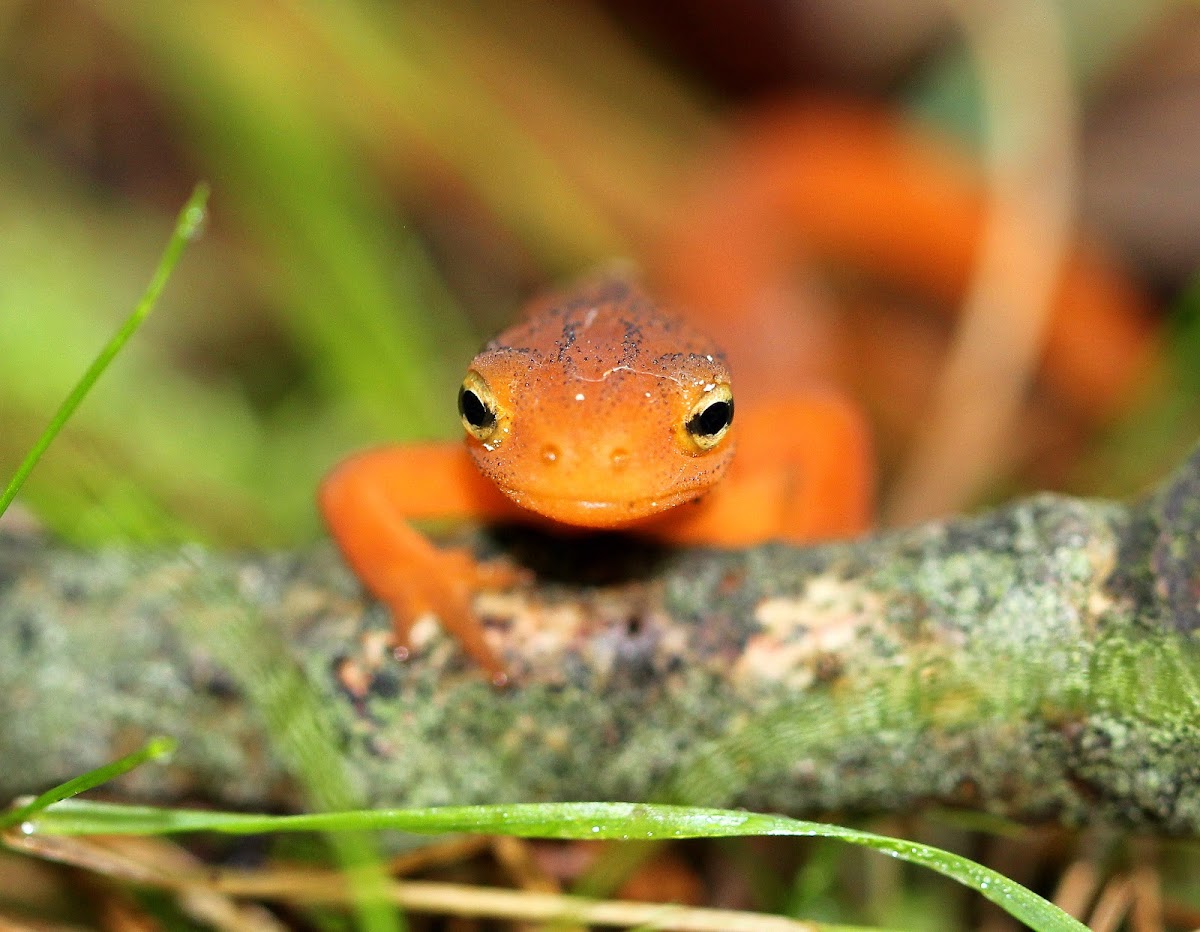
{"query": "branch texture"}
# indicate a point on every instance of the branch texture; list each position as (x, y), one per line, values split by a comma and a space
(1036, 662)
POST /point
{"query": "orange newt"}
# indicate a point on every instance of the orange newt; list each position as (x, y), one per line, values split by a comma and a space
(598, 410)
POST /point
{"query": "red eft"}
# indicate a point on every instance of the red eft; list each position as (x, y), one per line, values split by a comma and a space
(599, 409)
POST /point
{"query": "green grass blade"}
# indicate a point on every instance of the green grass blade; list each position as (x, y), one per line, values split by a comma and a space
(154, 749)
(624, 821)
(187, 227)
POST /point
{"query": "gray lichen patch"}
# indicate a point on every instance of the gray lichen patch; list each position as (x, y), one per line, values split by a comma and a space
(807, 638)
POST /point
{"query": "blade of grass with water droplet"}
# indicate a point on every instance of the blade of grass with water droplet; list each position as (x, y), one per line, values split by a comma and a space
(623, 821)
(154, 749)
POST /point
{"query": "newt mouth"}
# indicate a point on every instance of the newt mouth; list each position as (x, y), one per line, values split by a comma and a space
(587, 512)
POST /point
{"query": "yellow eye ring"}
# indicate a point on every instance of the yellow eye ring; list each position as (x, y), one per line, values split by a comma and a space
(708, 421)
(478, 408)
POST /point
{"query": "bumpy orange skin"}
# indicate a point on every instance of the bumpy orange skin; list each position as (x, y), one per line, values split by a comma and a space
(593, 392)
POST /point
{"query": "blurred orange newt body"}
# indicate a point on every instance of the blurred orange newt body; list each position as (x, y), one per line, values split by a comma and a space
(597, 410)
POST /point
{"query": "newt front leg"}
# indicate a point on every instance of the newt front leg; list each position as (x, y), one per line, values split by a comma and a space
(368, 502)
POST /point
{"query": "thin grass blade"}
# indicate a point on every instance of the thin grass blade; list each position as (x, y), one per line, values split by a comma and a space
(154, 749)
(187, 227)
(623, 821)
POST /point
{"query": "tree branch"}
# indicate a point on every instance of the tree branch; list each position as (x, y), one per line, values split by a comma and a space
(1036, 662)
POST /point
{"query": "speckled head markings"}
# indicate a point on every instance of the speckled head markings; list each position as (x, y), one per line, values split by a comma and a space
(599, 408)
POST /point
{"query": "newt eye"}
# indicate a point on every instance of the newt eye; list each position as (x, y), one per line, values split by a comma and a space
(477, 407)
(710, 418)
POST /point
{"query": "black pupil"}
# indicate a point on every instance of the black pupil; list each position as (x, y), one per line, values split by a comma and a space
(474, 411)
(713, 419)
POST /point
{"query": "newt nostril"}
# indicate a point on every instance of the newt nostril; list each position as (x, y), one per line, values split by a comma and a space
(619, 459)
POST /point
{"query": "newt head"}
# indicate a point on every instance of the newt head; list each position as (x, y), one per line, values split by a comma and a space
(599, 409)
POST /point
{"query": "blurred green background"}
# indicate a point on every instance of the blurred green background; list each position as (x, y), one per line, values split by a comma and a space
(380, 202)
(392, 180)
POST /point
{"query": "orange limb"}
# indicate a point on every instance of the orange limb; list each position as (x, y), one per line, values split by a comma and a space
(368, 501)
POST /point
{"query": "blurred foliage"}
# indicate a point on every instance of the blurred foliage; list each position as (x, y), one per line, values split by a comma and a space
(390, 182)
(345, 144)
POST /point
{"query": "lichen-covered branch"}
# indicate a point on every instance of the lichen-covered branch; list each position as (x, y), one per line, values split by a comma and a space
(1036, 662)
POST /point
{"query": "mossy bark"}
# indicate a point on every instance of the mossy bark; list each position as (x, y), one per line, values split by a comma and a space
(1036, 662)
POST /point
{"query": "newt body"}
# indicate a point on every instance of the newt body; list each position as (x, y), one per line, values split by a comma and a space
(598, 410)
